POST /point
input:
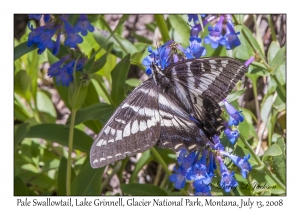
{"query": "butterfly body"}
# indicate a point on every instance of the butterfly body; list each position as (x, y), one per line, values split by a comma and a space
(176, 108)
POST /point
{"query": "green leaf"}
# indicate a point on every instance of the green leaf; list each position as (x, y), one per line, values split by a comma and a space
(81, 96)
(278, 59)
(250, 38)
(22, 49)
(60, 134)
(142, 189)
(46, 108)
(233, 96)
(272, 51)
(279, 162)
(90, 62)
(279, 104)
(20, 132)
(121, 46)
(22, 84)
(88, 181)
(100, 112)
(92, 96)
(259, 69)
(141, 38)
(271, 126)
(244, 51)
(63, 93)
(99, 63)
(119, 76)
(266, 109)
(20, 188)
(273, 150)
(179, 24)
(133, 82)
(62, 176)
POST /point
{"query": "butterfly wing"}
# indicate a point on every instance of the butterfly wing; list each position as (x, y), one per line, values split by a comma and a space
(177, 129)
(134, 127)
(202, 83)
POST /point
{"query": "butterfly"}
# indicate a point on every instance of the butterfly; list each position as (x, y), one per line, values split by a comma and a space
(177, 107)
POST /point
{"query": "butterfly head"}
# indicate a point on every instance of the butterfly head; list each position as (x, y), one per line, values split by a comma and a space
(158, 74)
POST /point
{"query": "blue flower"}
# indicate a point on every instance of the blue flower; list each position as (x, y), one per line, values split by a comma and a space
(45, 40)
(232, 135)
(214, 38)
(217, 145)
(42, 36)
(199, 174)
(46, 18)
(232, 39)
(165, 55)
(227, 180)
(36, 17)
(153, 57)
(64, 77)
(201, 188)
(196, 48)
(57, 45)
(178, 178)
(211, 166)
(194, 18)
(64, 72)
(34, 35)
(235, 116)
(183, 152)
(54, 68)
(72, 37)
(83, 25)
(242, 163)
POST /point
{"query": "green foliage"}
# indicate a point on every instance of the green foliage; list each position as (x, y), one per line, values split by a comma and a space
(45, 112)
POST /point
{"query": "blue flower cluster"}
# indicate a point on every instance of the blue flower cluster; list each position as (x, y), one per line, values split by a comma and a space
(59, 25)
(216, 36)
(63, 70)
(201, 171)
(165, 55)
(172, 52)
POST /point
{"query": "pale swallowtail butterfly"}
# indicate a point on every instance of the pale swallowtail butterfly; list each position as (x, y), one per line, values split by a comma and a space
(176, 108)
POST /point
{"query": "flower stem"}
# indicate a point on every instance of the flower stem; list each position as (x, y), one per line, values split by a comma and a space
(69, 163)
(161, 24)
(272, 28)
(256, 103)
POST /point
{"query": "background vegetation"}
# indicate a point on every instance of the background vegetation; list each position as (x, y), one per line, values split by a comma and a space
(42, 108)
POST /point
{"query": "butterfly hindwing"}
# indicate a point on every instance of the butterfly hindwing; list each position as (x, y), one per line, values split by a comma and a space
(202, 83)
(134, 127)
(177, 129)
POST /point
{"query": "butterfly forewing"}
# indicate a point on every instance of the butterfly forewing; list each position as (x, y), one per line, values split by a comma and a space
(134, 127)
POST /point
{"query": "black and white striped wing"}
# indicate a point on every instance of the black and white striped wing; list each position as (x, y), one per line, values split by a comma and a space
(134, 127)
(206, 82)
(177, 129)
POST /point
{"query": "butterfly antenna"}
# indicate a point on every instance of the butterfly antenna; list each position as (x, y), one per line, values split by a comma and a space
(157, 47)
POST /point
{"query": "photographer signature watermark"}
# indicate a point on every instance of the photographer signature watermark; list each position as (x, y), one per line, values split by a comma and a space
(254, 186)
